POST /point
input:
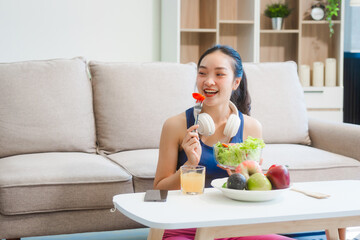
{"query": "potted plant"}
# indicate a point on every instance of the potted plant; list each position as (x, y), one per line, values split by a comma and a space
(277, 12)
(332, 9)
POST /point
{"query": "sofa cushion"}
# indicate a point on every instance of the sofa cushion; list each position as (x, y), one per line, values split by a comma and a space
(141, 164)
(53, 182)
(310, 164)
(68, 222)
(278, 101)
(133, 100)
(45, 106)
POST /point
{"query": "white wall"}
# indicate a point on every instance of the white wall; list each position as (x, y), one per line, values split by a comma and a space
(104, 30)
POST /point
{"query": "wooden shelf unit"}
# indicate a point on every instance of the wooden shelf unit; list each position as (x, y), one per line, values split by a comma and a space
(204, 23)
(195, 43)
(236, 21)
(200, 24)
(199, 14)
(320, 22)
(291, 22)
(278, 46)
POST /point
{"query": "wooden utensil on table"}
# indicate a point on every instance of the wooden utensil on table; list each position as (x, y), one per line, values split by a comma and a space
(312, 194)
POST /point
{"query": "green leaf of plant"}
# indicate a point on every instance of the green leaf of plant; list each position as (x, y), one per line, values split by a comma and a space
(332, 9)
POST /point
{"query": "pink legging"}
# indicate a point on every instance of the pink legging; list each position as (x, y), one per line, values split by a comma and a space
(189, 234)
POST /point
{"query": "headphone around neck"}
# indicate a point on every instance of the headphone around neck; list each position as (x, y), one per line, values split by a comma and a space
(207, 126)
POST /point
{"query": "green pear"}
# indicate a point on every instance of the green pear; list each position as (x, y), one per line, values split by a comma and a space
(258, 182)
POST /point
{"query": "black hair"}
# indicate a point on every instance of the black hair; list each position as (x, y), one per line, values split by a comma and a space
(240, 97)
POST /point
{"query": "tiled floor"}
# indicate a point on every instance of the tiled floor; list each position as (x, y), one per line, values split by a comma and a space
(353, 233)
(141, 234)
(136, 234)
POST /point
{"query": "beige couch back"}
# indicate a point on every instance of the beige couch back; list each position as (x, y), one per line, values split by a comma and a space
(133, 100)
(278, 101)
(45, 106)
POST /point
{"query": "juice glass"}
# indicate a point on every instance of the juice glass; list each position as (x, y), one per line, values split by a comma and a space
(192, 179)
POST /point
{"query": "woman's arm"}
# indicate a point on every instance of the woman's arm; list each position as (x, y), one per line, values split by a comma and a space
(166, 176)
(175, 137)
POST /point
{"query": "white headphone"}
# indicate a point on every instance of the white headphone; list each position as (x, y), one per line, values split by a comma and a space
(207, 126)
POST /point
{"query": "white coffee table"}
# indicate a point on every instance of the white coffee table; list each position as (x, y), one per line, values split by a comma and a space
(215, 215)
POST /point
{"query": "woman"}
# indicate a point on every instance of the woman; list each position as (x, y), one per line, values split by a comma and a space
(220, 79)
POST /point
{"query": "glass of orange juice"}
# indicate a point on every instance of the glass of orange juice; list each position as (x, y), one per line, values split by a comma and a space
(192, 179)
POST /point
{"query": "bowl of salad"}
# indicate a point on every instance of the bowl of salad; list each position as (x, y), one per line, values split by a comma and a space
(230, 155)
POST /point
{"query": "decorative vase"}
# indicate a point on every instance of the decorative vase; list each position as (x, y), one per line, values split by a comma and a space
(277, 23)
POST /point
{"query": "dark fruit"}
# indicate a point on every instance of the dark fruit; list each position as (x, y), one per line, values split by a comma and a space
(236, 181)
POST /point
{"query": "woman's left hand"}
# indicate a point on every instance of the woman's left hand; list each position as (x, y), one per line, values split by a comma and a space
(228, 170)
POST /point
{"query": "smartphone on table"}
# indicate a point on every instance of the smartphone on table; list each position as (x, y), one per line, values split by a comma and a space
(156, 195)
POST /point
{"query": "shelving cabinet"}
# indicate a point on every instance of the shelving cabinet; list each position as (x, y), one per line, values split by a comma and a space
(189, 27)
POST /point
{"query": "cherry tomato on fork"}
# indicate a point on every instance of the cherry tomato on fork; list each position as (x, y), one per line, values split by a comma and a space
(198, 97)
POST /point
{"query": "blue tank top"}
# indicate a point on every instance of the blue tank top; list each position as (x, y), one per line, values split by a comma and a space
(207, 156)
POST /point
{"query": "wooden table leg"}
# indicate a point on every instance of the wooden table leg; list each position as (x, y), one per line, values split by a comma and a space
(204, 234)
(155, 234)
(332, 234)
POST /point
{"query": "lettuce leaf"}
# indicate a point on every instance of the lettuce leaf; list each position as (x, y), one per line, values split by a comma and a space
(234, 154)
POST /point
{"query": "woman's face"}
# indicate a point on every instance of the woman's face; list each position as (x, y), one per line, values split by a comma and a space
(215, 79)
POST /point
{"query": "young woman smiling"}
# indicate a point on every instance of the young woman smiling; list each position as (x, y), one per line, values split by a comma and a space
(221, 79)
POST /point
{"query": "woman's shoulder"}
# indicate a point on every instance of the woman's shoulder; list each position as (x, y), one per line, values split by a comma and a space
(174, 128)
(252, 120)
(252, 126)
(176, 122)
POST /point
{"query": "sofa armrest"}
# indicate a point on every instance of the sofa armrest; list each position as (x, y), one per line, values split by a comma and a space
(340, 138)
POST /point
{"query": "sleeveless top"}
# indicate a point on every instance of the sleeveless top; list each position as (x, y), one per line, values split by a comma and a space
(207, 156)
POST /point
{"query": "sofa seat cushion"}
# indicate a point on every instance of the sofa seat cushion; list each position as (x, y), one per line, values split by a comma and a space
(53, 182)
(310, 164)
(281, 110)
(133, 100)
(141, 164)
(46, 106)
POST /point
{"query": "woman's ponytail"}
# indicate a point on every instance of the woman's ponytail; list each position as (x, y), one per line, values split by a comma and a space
(241, 97)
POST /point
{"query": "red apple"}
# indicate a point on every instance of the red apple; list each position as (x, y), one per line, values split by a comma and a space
(279, 176)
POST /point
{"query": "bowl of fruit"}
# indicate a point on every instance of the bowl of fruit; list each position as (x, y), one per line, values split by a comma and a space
(249, 183)
(230, 155)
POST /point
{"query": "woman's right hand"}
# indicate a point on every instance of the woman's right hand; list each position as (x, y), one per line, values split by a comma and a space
(191, 146)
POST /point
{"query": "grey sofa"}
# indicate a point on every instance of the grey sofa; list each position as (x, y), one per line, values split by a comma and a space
(73, 135)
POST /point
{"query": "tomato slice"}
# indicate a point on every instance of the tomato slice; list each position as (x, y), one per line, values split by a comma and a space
(225, 145)
(198, 97)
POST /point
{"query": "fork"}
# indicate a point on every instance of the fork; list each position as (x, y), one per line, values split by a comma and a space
(197, 110)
